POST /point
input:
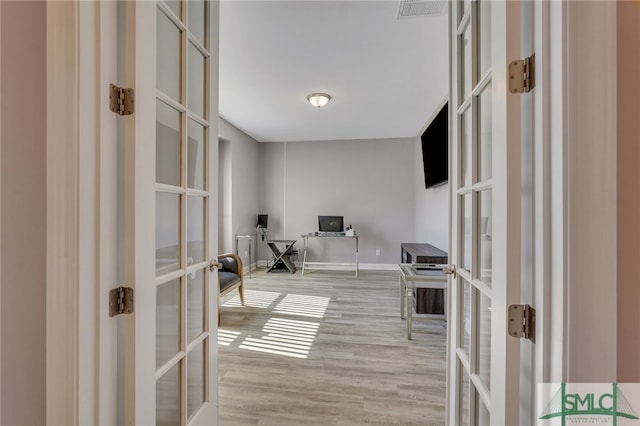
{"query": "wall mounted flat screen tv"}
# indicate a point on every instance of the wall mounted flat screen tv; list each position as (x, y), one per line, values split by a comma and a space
(435, 149)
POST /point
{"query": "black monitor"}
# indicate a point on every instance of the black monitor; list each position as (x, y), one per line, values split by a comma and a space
(262, 220)
(331, 223)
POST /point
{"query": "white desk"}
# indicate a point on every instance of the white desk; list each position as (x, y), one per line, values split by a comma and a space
(319, 235)
(249, 237)
(419, 275)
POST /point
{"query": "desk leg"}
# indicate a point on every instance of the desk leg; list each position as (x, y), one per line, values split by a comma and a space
(357, 263)
(250, 257)
(409, 295)
(403, 296)
(304, 257)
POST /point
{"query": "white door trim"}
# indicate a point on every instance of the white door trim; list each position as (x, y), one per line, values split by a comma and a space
(0, 211)
(555, 112)
(576, 141)
(78, 378)
(62, 213)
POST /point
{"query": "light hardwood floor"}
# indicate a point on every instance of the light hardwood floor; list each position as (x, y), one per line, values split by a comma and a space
(327, 349)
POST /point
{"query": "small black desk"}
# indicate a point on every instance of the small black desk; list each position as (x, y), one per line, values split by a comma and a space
(282, 261)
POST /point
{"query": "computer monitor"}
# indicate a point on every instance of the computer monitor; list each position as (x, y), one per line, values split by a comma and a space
(262, 220)
(331, 223)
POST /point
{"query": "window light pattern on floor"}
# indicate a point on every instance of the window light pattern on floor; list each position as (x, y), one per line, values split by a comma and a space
(254, 298)
(284, 336)
(307, 306)
(226, 337)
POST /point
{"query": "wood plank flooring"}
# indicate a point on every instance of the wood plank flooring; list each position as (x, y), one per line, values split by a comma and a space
(327, 349)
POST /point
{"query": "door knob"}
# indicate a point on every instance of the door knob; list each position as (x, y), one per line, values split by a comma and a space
(450, 270)
(214, 264)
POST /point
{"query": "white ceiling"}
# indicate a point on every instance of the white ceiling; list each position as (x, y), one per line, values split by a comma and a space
(386, 76)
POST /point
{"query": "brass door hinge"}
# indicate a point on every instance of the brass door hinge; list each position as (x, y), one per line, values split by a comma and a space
(522, 322)
(121, 100)
(522, 75)
(120, 301)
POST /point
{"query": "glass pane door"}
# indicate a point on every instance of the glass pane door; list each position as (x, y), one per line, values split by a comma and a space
(472, 188)
(486, 192)
(182, 212)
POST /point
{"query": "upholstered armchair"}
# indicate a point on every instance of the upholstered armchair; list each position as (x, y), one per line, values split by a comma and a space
(230, 277)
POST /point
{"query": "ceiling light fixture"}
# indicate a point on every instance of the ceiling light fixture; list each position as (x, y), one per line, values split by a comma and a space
(318, 100)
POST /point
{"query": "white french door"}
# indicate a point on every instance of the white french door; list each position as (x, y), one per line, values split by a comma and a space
(170, 225)
(484, 361)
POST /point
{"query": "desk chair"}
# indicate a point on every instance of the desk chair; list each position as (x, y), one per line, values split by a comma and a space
(281, 250)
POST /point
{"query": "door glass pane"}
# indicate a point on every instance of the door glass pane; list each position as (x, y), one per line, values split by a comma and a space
(485, 249)
(197, 19)
(484, 118)
(195, 379)
(168, 56)
(484, 32)
(484, 339)
(464, 397)
(167, 321)
(167, 144)
(196, 81)
(484, 418)
(195, 155)
(459, 9)
(465, 5)
(195, 305)
(465, 212)
(195, 230)
(465, 63)
(465, 324)
(174, 5)
(168, 398)
(466, 133)
(167, 232)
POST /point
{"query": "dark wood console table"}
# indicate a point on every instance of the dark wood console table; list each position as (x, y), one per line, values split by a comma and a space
(427, 301)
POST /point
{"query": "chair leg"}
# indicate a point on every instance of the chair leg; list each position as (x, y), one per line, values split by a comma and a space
(218, 313)
(241, 291)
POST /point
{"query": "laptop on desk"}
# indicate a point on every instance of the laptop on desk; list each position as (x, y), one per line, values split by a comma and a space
(331, 225)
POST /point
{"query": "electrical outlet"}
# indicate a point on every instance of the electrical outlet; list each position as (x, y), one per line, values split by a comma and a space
(246, 254)
(377, 252)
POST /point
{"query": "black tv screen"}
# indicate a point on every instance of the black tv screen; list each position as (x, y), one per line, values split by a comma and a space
(435, 149)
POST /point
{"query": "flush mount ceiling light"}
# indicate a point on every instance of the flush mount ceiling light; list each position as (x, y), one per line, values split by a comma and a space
(318, 100)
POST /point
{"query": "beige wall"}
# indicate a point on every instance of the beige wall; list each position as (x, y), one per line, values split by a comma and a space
(369, 182)
(23, 229)
(628, 191)
(241, 178)
(432, 208)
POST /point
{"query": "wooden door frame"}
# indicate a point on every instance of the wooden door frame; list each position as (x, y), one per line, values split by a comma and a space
(567, 151)
(560, 142)
(80, 385)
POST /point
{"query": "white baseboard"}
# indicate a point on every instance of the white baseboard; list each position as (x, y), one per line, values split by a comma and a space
(379, 266)
(350, 266)
(337, 266)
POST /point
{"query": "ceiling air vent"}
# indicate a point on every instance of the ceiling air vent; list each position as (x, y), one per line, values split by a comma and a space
(413, 8)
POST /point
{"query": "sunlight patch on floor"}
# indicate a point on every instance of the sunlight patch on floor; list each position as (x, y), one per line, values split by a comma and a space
(299, 304)
(254, 298)
(284, 337)
(226, 337)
